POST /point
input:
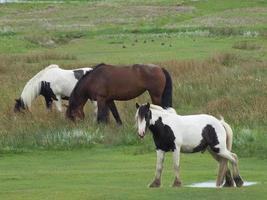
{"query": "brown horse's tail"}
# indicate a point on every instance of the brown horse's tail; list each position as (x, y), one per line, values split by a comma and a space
(166, 99)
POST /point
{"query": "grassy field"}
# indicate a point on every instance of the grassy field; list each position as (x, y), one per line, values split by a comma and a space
(215, 51)
(117, 173)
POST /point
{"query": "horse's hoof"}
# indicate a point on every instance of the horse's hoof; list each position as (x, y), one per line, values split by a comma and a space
(228, 184)
(155, 183)
(229, 181)
(238, 181)
(176, 183)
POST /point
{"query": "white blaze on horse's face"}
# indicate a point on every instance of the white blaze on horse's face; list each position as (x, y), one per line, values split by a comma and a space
(141, 126)
(143, 117)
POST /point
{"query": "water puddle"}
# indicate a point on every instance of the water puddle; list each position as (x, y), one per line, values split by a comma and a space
(212, 184)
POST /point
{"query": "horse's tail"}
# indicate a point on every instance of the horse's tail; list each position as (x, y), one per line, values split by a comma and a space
(166, 100)
(229, 134)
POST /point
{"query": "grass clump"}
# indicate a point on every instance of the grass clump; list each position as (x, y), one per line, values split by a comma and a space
(248, 142)
(246, 45)
(65, 37)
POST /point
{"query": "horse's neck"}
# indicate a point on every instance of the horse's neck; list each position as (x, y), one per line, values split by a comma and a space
(156, 114)
(157, 129)
(78, 97)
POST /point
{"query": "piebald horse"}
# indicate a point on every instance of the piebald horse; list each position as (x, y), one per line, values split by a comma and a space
(188, 134)
(106, 83)
(53, 83)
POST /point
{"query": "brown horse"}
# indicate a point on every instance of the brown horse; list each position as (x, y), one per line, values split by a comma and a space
(106, 83)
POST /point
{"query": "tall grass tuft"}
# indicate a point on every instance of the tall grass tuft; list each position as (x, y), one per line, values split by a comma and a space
(246, 45)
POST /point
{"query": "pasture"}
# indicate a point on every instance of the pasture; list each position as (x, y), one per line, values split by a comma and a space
(116, 173)
(216, 52)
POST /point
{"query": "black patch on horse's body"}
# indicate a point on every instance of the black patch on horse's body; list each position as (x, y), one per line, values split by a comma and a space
(78, 74)
(48, 93)
(163, 136)
(209, 138)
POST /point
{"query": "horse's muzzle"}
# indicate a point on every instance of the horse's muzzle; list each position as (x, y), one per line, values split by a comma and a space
(141, 135)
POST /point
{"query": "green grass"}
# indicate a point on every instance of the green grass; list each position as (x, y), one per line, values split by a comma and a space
(216, 53)
(218, 69)
(117, 173)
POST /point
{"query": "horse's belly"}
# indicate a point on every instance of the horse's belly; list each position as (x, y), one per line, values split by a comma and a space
(125, 95)
(190, 141)
(187, 148)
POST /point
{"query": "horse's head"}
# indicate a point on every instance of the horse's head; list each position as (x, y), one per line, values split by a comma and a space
(73, 113)
(19, 105)
(143, 117)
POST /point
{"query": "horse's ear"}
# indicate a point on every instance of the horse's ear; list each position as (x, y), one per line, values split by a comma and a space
(137, 105)
(148, 105)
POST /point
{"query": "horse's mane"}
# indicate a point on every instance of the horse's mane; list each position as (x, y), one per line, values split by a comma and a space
(94, 68)
(85, 75)
(159, 108)
(32, 88)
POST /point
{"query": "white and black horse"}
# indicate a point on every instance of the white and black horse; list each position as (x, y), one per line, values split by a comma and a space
(53, 83)
(188, 134)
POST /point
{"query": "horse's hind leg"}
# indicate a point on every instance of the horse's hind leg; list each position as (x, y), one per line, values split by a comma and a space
(155, 98)
(234, 161)
(236, 174)
(229, 181)
(115, 112)
(223, 171)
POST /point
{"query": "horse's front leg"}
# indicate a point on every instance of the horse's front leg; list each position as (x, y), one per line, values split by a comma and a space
(102, 111)
(48, 103)
(176, 165)
(160, 159)
(58, 103)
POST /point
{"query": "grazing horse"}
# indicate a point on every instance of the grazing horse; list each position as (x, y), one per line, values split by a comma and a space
(53, 83)
(188, 134)
(106, 83)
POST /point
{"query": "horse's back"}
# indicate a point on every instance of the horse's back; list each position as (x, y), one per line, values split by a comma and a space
(152, 76)
(147, 69)
(119, 82)
(200, 121)
(62, 81)
(188, 129)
